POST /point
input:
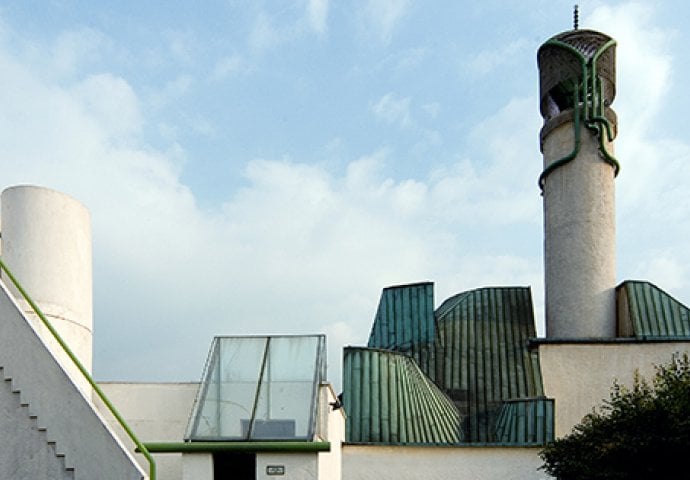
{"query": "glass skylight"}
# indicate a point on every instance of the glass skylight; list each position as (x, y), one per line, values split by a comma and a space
(259, 388)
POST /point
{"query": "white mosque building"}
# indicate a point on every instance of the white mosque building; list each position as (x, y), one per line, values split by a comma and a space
(462, 390)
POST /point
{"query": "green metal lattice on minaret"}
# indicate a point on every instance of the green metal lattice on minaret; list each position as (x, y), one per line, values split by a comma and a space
(577, 73)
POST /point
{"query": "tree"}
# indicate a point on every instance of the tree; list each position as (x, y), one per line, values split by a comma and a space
(642, 432)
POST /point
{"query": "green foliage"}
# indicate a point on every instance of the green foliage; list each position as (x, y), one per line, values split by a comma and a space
(642, 432)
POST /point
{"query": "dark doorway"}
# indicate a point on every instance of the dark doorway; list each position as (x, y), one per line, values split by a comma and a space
(234, 466)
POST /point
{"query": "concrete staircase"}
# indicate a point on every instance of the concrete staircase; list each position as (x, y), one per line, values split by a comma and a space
(26, 452)
(49, 428)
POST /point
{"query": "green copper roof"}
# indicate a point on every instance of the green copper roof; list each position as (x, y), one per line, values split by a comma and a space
(473, 348)
(388, 399)
(404, 321)
(646, 311)
(482, 357)
(525, 422)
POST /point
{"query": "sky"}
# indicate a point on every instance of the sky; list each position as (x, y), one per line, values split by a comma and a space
(268, 167)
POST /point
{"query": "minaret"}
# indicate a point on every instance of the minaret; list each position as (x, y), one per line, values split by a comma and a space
(577, 86)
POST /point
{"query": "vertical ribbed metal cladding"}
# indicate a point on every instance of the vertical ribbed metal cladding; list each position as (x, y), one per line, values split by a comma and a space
(388, 399)
(404, 322)
(645, 310)
(526, 422)
(482, 357)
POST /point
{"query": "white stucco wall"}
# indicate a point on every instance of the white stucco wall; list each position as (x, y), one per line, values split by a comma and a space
(197, 466)
(159, 412)
(440, 463)
(333, 430)
(580, 376)
(298, 466)
(156, 412)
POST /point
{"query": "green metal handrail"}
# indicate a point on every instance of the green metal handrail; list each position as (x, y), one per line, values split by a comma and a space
(139, 446)
(210, 447)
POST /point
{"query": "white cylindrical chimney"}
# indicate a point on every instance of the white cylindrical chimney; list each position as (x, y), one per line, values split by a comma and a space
(46, 244)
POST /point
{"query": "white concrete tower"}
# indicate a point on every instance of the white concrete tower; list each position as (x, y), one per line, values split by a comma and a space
(46, 244)
(577, 85)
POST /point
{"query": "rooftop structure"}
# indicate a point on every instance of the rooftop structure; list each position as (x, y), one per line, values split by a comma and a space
(260, 388)
(471, 353)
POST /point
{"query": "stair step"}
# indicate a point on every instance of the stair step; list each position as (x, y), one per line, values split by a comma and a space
(34, 434)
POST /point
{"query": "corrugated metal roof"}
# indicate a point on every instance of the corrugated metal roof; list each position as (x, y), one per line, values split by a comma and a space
(525, 422)
(644, 311)
(482, 357)
(404, 322)
(474, 348)
(388, 399)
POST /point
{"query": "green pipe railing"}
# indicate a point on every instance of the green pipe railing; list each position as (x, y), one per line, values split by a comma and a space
(139, 445)
(592, 96)
(210, 447)
(596, 121)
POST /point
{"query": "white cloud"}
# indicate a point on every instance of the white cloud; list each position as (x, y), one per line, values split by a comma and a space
(112, 102)
(404, 60)
(432, 109)
(171, 91)
(271, 30)
(264, 34)
(182, 46)
(666, 265)
(411, 58)
(393, 110)
(317, 15)
(299, 249)
(487, 61)
(72, 49)
(507, 181)
(228, 66)
(382, 17)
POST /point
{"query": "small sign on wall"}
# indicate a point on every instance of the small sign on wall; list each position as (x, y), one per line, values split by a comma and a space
(275, 470)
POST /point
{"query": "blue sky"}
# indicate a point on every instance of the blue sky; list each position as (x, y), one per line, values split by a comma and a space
(269, 167)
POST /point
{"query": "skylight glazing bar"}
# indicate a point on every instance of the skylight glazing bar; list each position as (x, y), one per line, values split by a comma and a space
(252, 418)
